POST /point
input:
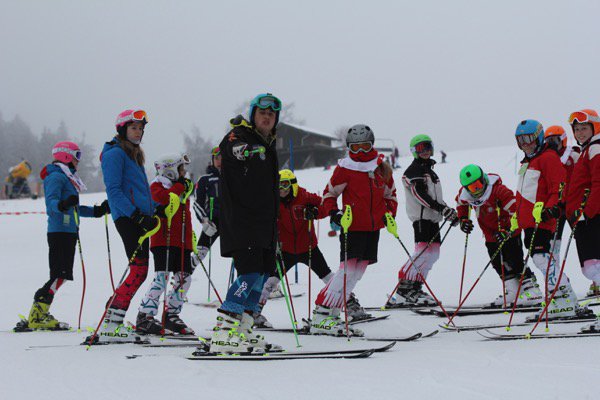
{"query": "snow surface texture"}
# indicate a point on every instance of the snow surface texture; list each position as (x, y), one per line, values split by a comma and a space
(452, 365)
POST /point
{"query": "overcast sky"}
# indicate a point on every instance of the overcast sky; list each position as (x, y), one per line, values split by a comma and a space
(464, 72)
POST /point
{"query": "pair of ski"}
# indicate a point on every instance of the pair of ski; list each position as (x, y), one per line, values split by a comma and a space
(217, 303)
(489, 335)
(462, 328)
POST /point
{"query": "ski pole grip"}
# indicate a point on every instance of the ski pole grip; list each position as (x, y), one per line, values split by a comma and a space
(390, 224)
(514, 222)
(537, 211)
(150, 232)
(346, 218)
(172, 207)
(194, 243)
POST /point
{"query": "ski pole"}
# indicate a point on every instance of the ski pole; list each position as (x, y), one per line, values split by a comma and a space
(462, 276)
(309, 267)
(76, 215)
(210, 282)
(498, 211)
(346, 221)
(112, 283)
(562, 268)
(170, 211)
(141, 240)
(287, 297)
(412, 260)
(537, 215)
(210, 217)
(286, 284)
(498, 250)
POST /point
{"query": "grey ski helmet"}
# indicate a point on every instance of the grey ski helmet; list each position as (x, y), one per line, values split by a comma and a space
(359, 133)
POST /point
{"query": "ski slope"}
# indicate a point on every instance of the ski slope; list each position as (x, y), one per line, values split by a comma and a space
(448, 365)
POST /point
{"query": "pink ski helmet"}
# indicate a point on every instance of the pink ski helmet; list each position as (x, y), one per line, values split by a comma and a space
(128, 116)
(65, 152)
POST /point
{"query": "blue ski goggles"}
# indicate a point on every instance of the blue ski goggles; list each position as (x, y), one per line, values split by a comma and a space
(268, 101)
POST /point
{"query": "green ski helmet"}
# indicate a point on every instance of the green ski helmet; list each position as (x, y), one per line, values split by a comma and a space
(419, 144)
(474, 180)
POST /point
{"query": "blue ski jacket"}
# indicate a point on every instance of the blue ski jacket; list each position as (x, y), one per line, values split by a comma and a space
(57, 187)
(126, 182)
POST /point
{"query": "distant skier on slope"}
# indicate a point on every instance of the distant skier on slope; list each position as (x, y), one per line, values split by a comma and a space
(425, 207)
(365, 183)
(62, 186)
(494, 204)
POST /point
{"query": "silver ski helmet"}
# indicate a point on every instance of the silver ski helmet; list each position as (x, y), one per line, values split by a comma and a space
(168, 165)
(360, 133)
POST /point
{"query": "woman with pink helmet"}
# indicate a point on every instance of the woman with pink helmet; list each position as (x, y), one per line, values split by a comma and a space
(62, 186)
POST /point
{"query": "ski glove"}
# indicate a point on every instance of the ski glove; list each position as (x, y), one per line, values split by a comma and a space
(102, 209)
(577, 214)
(209, 227)
(311, 212)
(450, 215)
(195, 260)
(146, 222)
(67, 203)
(502, 235)
(466, 225)
(189, 188)
(551, 213)
(335, 220)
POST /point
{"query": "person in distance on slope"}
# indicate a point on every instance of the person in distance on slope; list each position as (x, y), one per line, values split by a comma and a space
(425, 207)
(494, 205)
(170, 178)
(128, 191)
(586, 175)
(62, 186)
(206, 204)
(365, 183)
(249, 201)
(540, 177)
(297, 207)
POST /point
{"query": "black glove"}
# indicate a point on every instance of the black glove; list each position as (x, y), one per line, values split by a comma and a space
(67, 203)
(160, 211)
(502, 235)
(450, 215)
(575, 216)
(311, 212)
(551, 213)
(102, 209)
(466, 225)
(335, 220)
(146, 222)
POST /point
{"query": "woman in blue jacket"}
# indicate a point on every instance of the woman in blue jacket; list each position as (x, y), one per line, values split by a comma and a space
(132, 209)
(61, 188)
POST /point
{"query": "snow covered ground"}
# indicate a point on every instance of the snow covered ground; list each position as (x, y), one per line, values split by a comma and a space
(448, 365)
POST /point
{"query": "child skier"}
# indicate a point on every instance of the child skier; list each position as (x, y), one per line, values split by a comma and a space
(62, 186)
(426, 208)
(494, 205)
(168, 246)
(206, 204)
(586, 175)
(366, 184)
(540, 178)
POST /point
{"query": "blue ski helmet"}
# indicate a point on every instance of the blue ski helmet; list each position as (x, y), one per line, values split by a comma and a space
(530, 131)
(264, 101)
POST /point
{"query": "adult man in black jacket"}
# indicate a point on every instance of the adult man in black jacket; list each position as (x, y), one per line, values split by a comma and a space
(249, 200)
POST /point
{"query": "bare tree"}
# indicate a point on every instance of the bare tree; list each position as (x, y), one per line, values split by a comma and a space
(198, 149)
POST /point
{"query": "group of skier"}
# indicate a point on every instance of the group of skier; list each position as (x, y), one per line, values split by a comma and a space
(265, 221)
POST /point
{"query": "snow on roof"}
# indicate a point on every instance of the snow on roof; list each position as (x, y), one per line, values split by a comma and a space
(311, 130)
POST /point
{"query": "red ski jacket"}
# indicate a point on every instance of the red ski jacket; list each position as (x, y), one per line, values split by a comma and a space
(486, 207)
(586, 174)
(293, 228)
(364, 190)
(160, 194)
(539, 180)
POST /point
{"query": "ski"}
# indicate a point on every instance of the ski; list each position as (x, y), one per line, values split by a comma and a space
(305, 332)
(307, 324)
(293, 296)
(278, 356)
(497, 336)
(463, 312)
(459, 328)
(395, 307)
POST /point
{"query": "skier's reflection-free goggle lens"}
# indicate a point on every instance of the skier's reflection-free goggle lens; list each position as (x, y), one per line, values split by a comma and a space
(271, 102)
(365, 147)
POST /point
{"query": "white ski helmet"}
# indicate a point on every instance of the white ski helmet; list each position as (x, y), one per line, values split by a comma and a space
(359, 134)
(168, 165)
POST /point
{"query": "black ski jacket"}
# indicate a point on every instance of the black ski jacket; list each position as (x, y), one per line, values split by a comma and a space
(249, 195)
(207, 188)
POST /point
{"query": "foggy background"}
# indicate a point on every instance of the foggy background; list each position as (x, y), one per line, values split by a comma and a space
(464, 72)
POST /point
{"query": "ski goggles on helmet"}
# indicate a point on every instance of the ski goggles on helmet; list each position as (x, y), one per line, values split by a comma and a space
(75, 153)
(215, 151)
(184, 160)
(526, 139)
(365, 147)
(582, 118)
(476, 188)
(423, 147)
(284, 185)
(269, 101)
(137, 115)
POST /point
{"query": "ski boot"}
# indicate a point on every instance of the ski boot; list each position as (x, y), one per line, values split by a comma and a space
(327, 321)
(405, 296)
(594, 290)
(260, 321)
(41, 319)
(112, 330)
(176, 325)
(355, 310)
(257, 341)
(227, 337)
(145, 324)
(510, 293)
(531, 295)
(422, 298)
(593, 328)
(276, 293)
